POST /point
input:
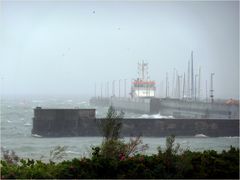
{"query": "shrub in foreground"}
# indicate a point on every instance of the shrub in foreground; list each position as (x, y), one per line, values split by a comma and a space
(207, 164)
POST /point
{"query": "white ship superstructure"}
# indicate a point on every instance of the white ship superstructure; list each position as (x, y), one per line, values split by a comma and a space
(143, 86)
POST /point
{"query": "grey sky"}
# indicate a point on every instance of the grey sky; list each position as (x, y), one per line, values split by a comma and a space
(63, 47)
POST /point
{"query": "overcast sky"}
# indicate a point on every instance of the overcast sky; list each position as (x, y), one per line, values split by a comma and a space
(63, 47)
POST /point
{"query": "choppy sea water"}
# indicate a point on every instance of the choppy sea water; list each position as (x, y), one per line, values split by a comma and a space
(16, 125)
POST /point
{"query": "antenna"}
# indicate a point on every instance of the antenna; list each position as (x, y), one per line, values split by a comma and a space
(183, 85)
(199, 83)
(107, 89)
(1, 98)
(211, 96)
(125, 95)
(192, 74)
(95, 90)
(188, 80)
(101, 90)
(113, 88)
(206, 92)
(173, 82)
(158, 87)
(176, 85)
(179, 86)
(166, 85)
(195, 87)
(119, 88)
(146, 74)
(139, 70)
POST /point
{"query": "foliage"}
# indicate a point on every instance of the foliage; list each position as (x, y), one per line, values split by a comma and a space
(135, 146)
(9, 156)
(207, 164)
(110, 126)
(171, 147)
(118, 149)
(57, 153)
(112, 146)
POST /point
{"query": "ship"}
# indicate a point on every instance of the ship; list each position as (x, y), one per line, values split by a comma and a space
(143, 100)
(143, 87)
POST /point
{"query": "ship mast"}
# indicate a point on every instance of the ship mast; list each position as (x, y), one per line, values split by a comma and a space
(192, 76)
(188, 81)
(142, 71)
(211, 91)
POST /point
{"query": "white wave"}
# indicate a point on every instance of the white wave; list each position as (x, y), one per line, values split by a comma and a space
(69, 100)
(9, 121)
(145, 116)
(27, 124)
(36, 135)
(200, 135)
(155, 116)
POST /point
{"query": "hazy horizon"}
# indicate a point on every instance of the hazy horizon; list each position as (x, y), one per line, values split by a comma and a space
(64, 48)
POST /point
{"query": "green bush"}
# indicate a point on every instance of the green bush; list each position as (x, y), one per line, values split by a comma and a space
(207, 164)
(112, 146)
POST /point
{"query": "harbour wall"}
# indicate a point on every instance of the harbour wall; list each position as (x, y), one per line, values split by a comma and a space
(171, 107)
(63, 122)
(80, 122)
(195, 109)
(180, 127)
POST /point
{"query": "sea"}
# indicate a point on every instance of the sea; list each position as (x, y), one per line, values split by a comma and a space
(16, 125)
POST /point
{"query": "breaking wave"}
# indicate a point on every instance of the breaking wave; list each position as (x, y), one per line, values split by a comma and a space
(200, 136)
(155, 116)
(36, 135)
(27, 124)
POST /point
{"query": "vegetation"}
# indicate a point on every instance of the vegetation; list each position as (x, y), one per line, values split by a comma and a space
(110, 126)
(116, 159)
(112, 146)
(165, 164)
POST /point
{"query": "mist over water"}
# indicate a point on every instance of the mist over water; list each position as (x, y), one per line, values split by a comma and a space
(16, 126)
(64, 47)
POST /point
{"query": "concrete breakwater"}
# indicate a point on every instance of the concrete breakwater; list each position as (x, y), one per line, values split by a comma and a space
(180, 127)
(82, 122)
